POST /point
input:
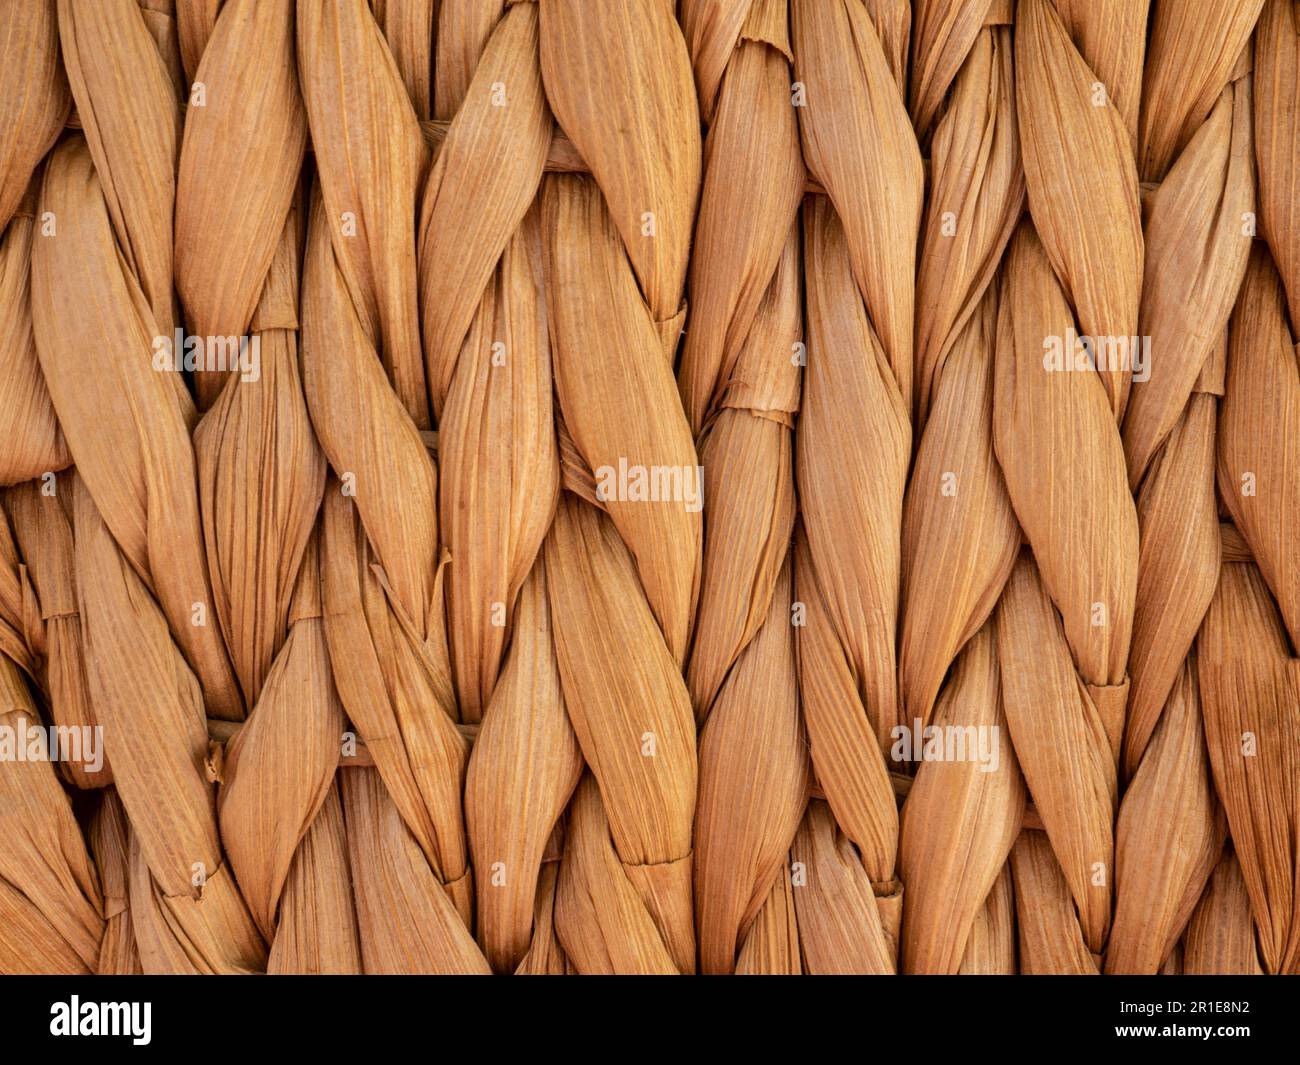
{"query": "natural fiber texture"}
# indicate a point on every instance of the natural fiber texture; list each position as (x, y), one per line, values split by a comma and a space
(724, 486)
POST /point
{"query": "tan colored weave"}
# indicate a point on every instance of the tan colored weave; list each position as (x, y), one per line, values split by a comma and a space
(652, 439)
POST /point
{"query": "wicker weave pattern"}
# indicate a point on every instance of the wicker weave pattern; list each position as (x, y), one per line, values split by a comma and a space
(723, 486)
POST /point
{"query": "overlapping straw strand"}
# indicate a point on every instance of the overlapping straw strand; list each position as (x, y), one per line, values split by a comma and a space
(722, 486)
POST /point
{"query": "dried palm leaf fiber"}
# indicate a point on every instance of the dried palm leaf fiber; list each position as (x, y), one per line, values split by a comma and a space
(195, 21)
(1063, 747)
(623, 571)
(1090, 230)
(1260, 483)
(502, 196)
(1077, 516)
(1197, 245)
(991, 944)
(847, 566)
(1262, 397)
(408, 27)
(1277, 144)
(859, 144)
(371, 160)
(109, 837)
(752, 742)
(1258, 477)
(860, 255)
(228, 218)
(34, 443)
(489, 371)
(128, 109)
(959, 534)
(15, 604)
(186, 911)
(1250, 685)
(739, 367)
(1063, 674)
(753, 787)
(136, 458)
(1169, 830)
(489, 361)
(1049, 940)
(489, 367)
(1178, 95)
(628, 840)
(42, 530)
(34, 97)
(977, 187)
(160, 19)
(1221, 936)
(523, 769)
(51, 909)
(545, 956)
(127, 430)
(1169, 835)
(278, 789)
(960, 820)
(739, 379)
(380, 557)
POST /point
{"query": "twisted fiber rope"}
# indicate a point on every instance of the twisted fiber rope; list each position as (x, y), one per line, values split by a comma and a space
(389, 681)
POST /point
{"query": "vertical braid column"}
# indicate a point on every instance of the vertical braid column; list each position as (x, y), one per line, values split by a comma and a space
(132, 139)
(488, 355)
(1258, 415)
(1169, 445)
(281, 768)
(1081, 261)
(1088, 518)
(1248, 641)
(261, 476)
(622, 571)
(382, 564)
(1090, 233)
(739, 380)
(137, 519)
(1169, 427)
(1253, 740)
(854, 445)
(959, 532)
(381, 571)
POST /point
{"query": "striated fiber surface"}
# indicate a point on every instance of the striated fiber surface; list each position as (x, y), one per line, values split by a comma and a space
(714, 486)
